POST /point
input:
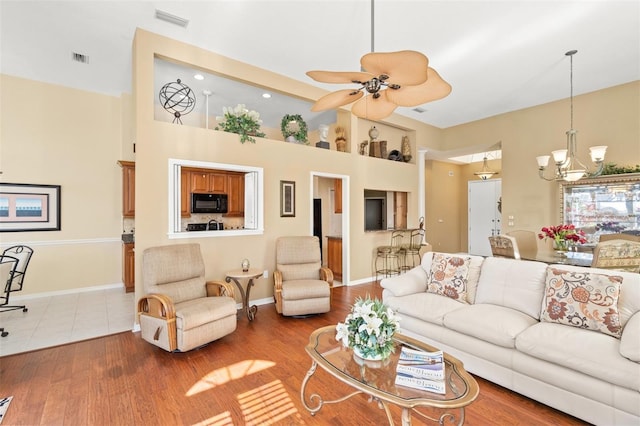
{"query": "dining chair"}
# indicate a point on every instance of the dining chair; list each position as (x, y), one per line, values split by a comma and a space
(619, 236)
(504, 246)
(622, 255)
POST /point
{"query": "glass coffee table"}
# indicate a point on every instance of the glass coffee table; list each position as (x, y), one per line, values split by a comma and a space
(377, 379)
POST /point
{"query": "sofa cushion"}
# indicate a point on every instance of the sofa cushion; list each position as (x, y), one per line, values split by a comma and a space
(472, 278)
(448, 276)
(582, 299)
(428, 307)
(629, 300)
(196, 312)
(516, 284)
(301, 271)
(491, 323)
(594, 354)
(630, 340)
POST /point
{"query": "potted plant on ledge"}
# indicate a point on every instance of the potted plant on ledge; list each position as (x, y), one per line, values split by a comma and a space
(294, 129)
(241, 121)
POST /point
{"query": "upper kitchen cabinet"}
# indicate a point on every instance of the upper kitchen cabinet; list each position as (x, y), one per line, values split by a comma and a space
(206, 181)
(235, 189)
(128, 188)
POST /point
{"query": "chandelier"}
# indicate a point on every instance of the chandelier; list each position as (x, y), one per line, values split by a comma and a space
(485, 173)
(567, 165)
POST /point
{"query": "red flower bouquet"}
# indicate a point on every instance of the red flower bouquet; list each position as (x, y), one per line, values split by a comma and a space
(563, 236)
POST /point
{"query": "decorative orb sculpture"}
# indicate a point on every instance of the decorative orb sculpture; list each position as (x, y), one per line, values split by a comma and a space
(178, 99)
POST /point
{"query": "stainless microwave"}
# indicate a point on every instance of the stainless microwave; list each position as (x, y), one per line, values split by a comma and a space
(208, 203)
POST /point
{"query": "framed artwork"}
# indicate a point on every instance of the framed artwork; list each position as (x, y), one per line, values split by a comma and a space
(287, 198)
(27, 207)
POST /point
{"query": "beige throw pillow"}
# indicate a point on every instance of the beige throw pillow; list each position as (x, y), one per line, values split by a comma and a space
(448, 276)
(583, 300)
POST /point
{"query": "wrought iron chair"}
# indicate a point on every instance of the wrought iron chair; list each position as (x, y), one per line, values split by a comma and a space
(411, 250)
(15, 281)
(388, 258)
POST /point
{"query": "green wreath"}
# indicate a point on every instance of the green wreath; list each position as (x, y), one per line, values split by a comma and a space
(298, 131)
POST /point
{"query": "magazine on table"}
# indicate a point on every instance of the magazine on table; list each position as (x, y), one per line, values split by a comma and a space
(436, 386)
(421, 370)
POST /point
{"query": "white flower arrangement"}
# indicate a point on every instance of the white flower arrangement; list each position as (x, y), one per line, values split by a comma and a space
(369, 329)
(242, 121)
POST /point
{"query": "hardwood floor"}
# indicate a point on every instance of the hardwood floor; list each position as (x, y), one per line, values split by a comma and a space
(252, 376)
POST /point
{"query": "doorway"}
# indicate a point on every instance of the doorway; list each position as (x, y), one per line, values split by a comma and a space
(484, 216)
(330, 220)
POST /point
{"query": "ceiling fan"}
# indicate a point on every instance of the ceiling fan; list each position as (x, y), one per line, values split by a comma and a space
(390, 79)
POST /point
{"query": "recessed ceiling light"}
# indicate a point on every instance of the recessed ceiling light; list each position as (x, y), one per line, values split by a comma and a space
(199, 77)
(266, 95)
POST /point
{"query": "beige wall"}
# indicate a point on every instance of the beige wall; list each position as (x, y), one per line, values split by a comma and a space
(158, 141)
(606, 117)
(57, 135)
(60, 136)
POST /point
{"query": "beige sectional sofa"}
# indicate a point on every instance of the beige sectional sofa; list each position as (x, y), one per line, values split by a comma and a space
(566, 336)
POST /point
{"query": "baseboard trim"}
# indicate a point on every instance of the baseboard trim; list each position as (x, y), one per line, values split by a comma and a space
(67, 291)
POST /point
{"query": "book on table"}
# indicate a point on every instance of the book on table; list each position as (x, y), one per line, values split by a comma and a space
(421, 370)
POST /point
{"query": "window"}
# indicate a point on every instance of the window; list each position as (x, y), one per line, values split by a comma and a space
(251, 223)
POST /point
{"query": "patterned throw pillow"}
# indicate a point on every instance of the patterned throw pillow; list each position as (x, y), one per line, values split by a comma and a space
(583, 300)
(448, 276)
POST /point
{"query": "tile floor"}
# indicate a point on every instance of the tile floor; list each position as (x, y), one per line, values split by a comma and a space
(55, 320)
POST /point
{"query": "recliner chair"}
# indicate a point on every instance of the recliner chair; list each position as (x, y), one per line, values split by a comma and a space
(301, 285)
(181, 310)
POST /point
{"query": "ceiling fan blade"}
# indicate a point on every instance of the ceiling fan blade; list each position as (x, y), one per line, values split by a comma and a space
(373, 109)
(433, 89)
(339, 76)
(336, 99)
(406, 67)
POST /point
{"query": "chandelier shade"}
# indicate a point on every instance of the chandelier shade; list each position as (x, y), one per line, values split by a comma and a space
(567, 165)
(485, 173)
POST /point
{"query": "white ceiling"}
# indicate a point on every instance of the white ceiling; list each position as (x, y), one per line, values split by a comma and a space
(499, 56)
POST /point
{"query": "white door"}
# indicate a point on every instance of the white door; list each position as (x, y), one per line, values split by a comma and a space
(484, 217)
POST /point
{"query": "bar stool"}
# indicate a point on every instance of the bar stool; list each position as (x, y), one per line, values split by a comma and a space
(389, 256)
(412, 249)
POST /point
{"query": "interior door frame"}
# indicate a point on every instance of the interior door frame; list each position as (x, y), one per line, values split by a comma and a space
(346, 209)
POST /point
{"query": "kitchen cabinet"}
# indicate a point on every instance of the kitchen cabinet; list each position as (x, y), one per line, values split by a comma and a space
(207, 181)
(337, 193)
(185, 193)
(400, 210)
(235, 191)
(128, 266)
(602, 205)
(334, 256)
(128, 188)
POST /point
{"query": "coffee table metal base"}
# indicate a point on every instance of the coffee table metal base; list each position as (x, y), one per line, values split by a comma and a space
(316, 399)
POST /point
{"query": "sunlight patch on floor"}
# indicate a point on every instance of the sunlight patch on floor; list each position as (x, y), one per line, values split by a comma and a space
(226, 374)
(222, 419)
(267, 404)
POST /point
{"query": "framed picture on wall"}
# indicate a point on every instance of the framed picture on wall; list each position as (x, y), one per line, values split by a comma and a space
(287, 198)
(27, 207)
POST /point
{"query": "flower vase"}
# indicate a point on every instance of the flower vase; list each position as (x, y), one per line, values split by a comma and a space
(560, 247)
(374, 357)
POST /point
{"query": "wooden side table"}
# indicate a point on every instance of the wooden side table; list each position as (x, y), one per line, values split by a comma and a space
(236, 276)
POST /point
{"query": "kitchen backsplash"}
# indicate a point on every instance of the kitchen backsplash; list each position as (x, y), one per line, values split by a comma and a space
(229, 222)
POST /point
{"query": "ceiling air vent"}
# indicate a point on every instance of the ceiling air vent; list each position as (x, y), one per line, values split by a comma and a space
(169, 17)
(419, 110)
(79, 57)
